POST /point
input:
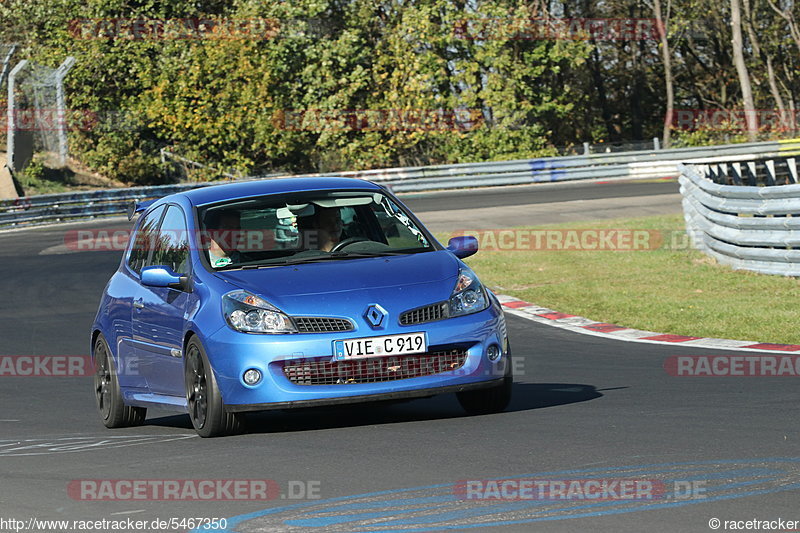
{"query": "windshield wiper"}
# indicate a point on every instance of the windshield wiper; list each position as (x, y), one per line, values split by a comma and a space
(317, 258)
(367, 254)
(334, 257)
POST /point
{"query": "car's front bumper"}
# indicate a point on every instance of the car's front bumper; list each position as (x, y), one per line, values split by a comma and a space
(232, 353)
(386, 396)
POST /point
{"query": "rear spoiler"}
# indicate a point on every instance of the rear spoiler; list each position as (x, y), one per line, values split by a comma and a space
(138, 207)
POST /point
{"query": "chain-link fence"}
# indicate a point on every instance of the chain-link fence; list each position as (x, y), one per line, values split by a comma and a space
(37, 114)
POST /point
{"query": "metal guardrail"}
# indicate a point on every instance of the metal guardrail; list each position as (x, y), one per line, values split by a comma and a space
(49, 208)
(648, 164)
(656, 163)
(753, 224)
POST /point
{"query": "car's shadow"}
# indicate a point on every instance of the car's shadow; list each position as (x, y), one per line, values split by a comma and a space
(525, 396)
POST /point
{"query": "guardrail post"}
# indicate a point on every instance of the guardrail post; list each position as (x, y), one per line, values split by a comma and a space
(792, 164)
(711, 171)
(656, 144)
(719, 174)
(751, 173)
(586, 148)
(769, 164)
(737, 172)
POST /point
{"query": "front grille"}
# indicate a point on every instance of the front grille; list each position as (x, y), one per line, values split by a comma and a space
(321, 324)
(421, 315)
(373, 369)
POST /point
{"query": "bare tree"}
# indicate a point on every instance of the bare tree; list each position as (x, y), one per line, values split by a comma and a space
(741, 68)
(666, 57)
(788, 16)
(765, 56)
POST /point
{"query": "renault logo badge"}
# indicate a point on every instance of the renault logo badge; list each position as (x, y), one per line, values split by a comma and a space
(374, 315)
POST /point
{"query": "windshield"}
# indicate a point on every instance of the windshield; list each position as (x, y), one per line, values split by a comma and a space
(307, 227)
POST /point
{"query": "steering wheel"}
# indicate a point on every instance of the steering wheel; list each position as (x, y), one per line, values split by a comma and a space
(347, 242)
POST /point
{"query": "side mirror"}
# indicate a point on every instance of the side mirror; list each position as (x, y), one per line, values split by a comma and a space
(463, 246)
(163, 276)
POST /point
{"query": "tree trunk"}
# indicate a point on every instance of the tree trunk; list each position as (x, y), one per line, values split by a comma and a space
(599, 84)
(637, 89)
(668, 83)
(788, 16)
(767, 58)
(741, 68)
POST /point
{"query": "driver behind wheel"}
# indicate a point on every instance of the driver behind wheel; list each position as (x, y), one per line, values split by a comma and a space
(224, 228)
(323, 229)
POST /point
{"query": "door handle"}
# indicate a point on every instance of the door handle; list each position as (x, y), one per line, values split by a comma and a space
(138, 304)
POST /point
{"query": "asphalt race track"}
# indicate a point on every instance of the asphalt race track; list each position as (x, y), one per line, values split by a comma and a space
(584, 407)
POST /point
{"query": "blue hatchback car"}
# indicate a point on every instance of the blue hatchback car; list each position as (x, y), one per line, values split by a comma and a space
(292, 293)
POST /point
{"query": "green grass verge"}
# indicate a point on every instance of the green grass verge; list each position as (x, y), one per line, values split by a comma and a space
(667, 290)
(34, 185)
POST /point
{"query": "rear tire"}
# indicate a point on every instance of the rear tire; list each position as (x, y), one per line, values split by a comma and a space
(206, 409)
(107, 393)
(491, 400)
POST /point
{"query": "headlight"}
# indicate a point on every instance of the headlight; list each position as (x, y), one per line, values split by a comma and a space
(469, 296)
(250, 314)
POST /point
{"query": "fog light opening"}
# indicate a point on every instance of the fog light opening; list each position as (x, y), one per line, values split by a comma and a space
(493, 352)
(252, 376)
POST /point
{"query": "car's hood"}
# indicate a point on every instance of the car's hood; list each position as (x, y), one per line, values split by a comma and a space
(345, 286)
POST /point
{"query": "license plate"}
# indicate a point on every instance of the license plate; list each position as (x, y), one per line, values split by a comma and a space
(379, 346)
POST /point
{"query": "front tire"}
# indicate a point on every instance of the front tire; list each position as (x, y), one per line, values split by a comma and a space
(491, 400)
(107, 393)
(206, 409)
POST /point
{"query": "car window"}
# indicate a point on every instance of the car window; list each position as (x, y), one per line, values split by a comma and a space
(274, 229)
(265, 229)
(172, 243)
(144, 240)
(400, 231)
